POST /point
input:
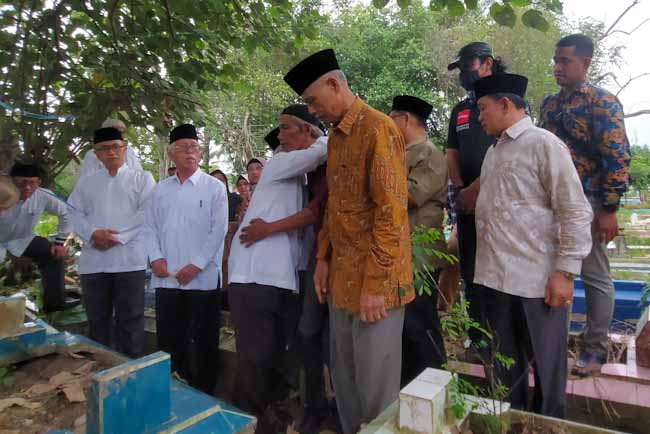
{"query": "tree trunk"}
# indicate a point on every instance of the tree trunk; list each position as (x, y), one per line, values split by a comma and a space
(8, 150)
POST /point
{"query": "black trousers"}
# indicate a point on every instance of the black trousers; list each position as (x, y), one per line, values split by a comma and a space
(187, 327)
(52, 273)
(314, 334)
(114, 303)
(422, 343)
(533, 334)
(260, 324)
(467, 253)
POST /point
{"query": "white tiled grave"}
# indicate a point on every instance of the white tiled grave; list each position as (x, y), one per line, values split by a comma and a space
(422, 402)
(12, 315)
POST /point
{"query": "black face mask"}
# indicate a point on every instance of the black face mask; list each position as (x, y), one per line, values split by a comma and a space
(467, 79)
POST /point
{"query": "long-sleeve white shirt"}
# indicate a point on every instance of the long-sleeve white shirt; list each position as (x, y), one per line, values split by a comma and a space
(279, 194)
(187, 224)
(101, 201)
(17, 223)
(532, 216)
(91, 163)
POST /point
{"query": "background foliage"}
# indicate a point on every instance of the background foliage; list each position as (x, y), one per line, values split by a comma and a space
(69, 64)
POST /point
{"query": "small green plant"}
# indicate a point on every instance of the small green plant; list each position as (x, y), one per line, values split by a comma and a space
(422, 240)
(457, 325)
(6, 377)
(47, 225)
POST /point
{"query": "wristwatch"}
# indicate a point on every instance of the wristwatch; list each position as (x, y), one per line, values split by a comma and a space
(568, 275)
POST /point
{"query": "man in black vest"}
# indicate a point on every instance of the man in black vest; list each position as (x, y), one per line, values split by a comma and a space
(467, 144)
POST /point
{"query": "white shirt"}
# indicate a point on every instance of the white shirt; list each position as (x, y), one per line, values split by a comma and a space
(532, 216)
(186, 224)
(17, 223)
(279, 194)
(101, 201)
(91, 163)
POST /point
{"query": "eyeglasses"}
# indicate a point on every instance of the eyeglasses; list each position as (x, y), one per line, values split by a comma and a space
(107, 149)
(25, 182)
(189, 149)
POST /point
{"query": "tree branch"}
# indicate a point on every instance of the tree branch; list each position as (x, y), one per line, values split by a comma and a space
(111, 20)
(609, 30)
(169, 20)
(637, 113)
(633, 30)
(630, 80)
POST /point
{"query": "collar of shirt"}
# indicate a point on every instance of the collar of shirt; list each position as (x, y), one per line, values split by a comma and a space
(582, 87)
(517, 129)
(194, 179)
(350, 118)
(122, 168)
(417, 141)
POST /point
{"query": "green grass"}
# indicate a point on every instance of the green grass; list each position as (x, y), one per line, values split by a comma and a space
(47, 225)
(629, 275)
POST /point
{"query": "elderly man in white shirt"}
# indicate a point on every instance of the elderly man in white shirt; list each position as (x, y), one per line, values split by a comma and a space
(533, 226)
(17, 233)
(186, 225)
(91, 163)
(264, 276)
(107, 209)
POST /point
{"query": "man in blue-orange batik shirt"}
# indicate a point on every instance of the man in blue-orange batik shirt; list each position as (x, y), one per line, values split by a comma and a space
(590, 121)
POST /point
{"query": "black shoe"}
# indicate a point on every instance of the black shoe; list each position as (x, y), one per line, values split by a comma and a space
(68, 304)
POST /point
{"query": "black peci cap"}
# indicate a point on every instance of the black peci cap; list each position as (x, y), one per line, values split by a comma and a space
(106, 134)
(413, 105)
(301, 76)
(272, 139)
(26, 170)
(185, 131)
(300, 111)
(501, 83)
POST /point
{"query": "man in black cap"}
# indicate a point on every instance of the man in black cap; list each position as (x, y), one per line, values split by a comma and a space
(298, 130)
(17, 233)
(533, 225)
(364, 250)
(186, 225)
(467, 144)
(263, 264)
(107, 209)
(422, 344)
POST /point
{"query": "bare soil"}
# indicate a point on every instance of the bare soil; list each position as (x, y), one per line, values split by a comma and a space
(54, 410)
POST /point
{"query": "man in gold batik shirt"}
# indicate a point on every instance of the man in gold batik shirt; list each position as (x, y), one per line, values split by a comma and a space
(364, 250)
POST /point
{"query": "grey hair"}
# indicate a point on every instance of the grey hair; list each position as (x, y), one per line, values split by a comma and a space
(340, 75)
(312, 129)
(113, 123)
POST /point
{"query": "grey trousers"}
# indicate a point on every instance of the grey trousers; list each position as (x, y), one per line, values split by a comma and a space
(116, 301)
(599, 295)
(366, 365)
(532, 334)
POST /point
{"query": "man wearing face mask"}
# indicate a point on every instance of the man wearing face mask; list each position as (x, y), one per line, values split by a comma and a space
(467, 144)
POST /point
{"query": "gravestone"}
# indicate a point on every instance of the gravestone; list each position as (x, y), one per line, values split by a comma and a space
(643, 339)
